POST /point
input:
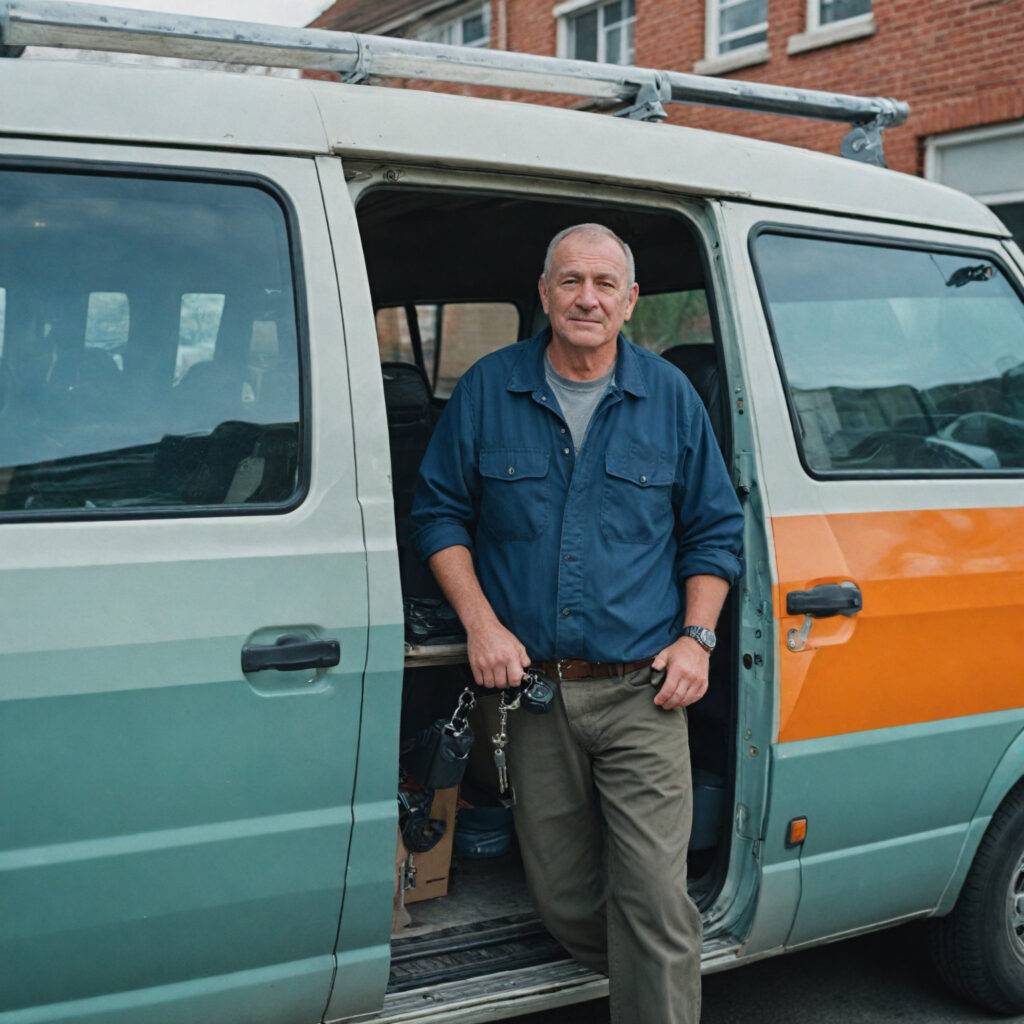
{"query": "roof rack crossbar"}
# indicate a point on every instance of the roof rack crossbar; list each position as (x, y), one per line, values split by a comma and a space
(60, 23)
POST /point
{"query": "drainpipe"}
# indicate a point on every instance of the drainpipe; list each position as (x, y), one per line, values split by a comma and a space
(502, 24)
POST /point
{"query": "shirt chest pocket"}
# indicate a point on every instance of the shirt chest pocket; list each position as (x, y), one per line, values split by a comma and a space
(636, 503)
(515, 498)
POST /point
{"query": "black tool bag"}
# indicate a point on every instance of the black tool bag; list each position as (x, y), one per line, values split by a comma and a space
(440, 755)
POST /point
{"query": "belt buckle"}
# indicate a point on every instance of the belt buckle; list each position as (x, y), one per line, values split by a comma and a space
(559, 662)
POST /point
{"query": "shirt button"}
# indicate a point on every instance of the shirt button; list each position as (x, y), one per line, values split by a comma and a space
(543, 398)
(561, 430)
(570, 558)
(511, 470)
(643, 479)
(566, 612)
(565, 451)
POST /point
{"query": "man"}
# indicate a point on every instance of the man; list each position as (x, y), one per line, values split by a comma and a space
(575, 509)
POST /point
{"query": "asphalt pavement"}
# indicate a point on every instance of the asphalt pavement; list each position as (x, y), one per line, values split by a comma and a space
(886, 977)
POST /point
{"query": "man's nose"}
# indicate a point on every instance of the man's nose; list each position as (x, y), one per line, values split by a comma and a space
(587, 296)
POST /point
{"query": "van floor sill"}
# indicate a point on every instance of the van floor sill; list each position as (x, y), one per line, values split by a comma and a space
(512, 993)
(453, 954)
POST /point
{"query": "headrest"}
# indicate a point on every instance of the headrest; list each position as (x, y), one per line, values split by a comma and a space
(406, 391)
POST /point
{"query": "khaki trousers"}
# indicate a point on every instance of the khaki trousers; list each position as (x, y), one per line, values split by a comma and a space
(604, 805)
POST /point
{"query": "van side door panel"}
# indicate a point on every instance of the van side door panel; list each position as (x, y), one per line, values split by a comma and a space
(891, 436)
(176, 829)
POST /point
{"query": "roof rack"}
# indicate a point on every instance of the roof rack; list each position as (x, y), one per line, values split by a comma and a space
(644, 91)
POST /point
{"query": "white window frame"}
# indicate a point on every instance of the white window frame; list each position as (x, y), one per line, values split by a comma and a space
(832, 32)
(934, 145)
(564, 12)
(815, 24)
(713, 38)
(454, 22)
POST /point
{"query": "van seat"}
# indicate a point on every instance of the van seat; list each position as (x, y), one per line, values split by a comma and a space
(700, 364)
(410, 423)
(411, 419)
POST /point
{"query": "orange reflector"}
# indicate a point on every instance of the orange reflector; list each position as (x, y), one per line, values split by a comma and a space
(797, 832)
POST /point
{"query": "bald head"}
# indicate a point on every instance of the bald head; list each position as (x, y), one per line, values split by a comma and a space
(587, 232)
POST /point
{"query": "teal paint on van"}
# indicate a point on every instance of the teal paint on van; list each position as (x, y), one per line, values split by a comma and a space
(364, 949)
(270, 995)
(888, 813)
(168, 824)
(1007, 774)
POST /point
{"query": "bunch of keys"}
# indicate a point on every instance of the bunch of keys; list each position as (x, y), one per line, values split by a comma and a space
(500, 742)
(539, 694)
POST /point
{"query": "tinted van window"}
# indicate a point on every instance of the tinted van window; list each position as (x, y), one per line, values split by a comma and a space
(150, 349)
(896, 359)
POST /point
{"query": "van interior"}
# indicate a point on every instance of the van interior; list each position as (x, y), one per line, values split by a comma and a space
(453, 275)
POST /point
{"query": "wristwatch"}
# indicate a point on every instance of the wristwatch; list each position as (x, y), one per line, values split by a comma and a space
(704, 636)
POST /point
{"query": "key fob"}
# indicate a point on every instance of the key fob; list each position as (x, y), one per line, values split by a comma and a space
(538, 693)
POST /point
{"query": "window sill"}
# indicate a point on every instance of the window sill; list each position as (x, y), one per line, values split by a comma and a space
(830, 35)
(569, 7)
(745, 58)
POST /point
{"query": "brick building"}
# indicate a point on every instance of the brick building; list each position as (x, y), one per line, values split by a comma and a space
(957, 62)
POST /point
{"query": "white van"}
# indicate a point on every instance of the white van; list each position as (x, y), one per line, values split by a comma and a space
(209, 287)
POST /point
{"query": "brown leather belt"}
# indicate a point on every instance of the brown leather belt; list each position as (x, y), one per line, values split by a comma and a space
(577, 668)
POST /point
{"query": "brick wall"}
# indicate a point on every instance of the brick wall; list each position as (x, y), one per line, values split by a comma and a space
(959, 63)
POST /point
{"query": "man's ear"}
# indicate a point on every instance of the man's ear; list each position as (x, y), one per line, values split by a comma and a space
(634, 294)
(542, 287)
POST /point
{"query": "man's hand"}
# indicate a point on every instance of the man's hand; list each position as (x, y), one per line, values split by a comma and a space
(686, 679)
(496, 657)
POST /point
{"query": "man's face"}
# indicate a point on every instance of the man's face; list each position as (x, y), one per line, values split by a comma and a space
(587, 295)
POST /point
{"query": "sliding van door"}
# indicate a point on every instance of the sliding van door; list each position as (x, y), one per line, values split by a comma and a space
(182, 588)
(891, 427)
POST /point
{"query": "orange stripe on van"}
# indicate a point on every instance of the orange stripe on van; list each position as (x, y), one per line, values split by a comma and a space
(941, 633)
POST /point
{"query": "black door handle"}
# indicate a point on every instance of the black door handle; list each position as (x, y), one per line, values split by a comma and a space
(290, 653)
(825, 599)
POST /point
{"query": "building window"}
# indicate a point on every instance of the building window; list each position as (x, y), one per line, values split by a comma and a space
(471, 27)
(833, 21)
(828, 12)
(987, 163)
(599, 32)
(735, 25)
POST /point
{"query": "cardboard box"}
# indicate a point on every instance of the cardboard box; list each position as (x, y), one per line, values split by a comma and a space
(433, 866)
(399, 915)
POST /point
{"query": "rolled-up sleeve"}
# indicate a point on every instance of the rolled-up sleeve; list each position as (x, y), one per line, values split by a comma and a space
(444, 504)
(710, 524)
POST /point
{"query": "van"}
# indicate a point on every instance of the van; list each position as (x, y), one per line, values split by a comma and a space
(232, 307)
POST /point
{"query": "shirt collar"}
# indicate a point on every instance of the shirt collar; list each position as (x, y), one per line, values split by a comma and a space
(528, 369)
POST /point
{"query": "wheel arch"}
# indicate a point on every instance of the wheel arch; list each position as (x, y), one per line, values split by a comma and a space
(1008, 774)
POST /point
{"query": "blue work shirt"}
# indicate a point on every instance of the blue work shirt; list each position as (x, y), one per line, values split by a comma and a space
(580, 557)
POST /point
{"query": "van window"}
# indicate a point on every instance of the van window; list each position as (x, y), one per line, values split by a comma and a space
(452, 337)
(107, 322)
(896, 359)
(199, 322)
(668, 319)
(150, 351)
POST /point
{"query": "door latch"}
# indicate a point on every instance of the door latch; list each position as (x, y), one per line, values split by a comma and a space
(820, 602)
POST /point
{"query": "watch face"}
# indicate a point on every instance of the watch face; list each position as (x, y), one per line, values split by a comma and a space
(704, 636)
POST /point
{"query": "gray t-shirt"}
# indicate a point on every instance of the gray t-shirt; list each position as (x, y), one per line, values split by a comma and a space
(578, 399)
